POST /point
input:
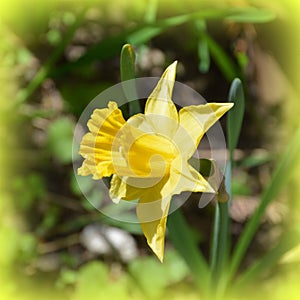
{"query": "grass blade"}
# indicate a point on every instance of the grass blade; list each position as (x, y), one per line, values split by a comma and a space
(46, 68)
(137, 35)
(290, 240)
(234, 122)
(235, 115)
(280, 177)
(143, 32)
(203, 50)
(182, 239)
(151, 11)
(224, 62)
(127, 63)
(127, 68)
(251, 15)
(222, 246)
(215, 242)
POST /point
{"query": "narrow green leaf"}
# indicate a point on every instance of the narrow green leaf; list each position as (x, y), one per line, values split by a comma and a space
(46, 68)
(220, 246)
(281, 175)
(182, 239)
(142, 33)
(151, 10)
(127, 63)
(203, 50)
(221, 243)
(137, 35)
(251, 15)
(215, 242)
(127, 68)
(235, 115)
(224, 62)
(148, 31)
(289, 240)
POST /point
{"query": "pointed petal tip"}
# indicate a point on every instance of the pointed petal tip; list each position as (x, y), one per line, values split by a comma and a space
(115, 199)
(157, 243)
(112, 105)
(173, 66)
(159, 254)
(171, 69)
(210, 189)
(81, 171)
(161, 258)
(223, 104)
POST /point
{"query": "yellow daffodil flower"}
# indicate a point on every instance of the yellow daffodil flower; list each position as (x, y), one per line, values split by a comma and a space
(148, 154)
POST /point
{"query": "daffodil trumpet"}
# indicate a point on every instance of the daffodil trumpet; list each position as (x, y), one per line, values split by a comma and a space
(148, 154)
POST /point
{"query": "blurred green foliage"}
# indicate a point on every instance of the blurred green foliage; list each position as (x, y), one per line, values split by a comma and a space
(61, 56)
(60, 139)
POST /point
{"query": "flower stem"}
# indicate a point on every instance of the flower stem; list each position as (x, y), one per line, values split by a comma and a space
(215, 240)
(220, 242)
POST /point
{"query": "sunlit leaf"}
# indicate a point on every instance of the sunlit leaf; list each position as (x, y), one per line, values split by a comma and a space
(289, 241)
(184, 242)
(236, 114)
(127, 68)
(127, 63)
(203, 50)
(281, 175)
(221, 58)
(251, 15)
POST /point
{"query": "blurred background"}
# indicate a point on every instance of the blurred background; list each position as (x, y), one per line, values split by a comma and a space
(56, 56)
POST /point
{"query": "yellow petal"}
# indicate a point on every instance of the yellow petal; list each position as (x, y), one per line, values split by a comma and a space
(160, 110)
(131, 188)
(183, 177)
(152, 208)
(194, 121)
(107, 119)
(140, 121)
(153, 221)
(146, 154)
(120, 190)
(96, 146)
(191, 180)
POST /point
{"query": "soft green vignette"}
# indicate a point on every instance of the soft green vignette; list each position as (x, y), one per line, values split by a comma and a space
(8, 232)
(13, 286)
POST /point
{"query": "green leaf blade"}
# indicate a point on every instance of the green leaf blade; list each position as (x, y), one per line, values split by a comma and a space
(127, 69)
(203, 49)
(235, 115)
(281, 175)
(127, 63)
(251, 15)
(184, 242)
